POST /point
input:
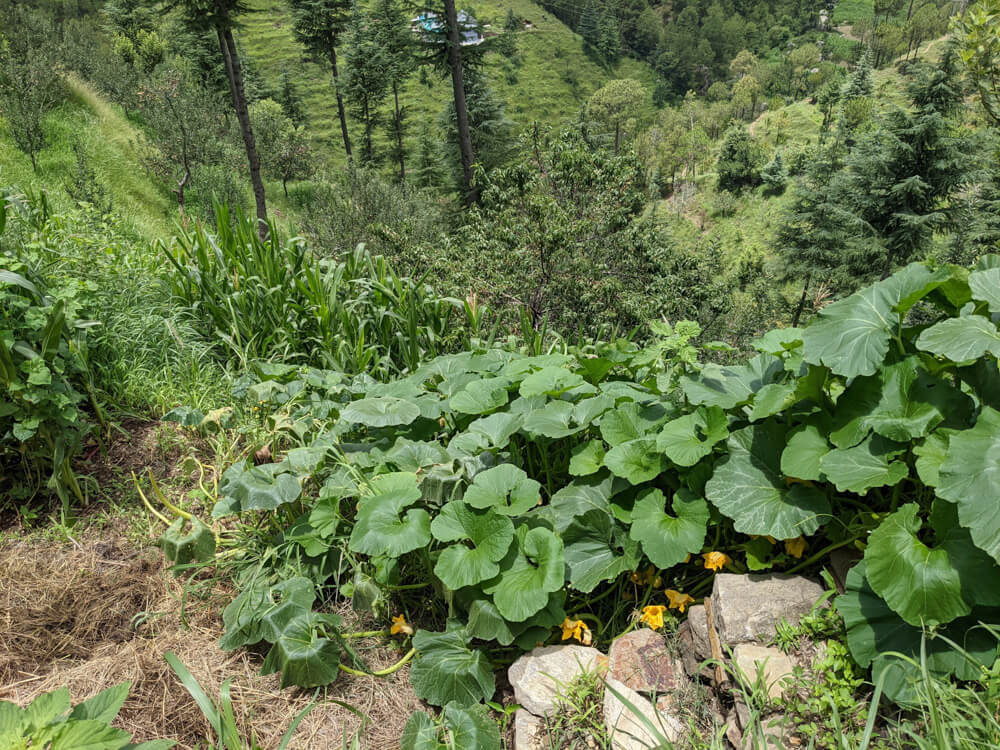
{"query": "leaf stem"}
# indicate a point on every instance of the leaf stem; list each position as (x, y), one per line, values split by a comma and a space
(382, 672)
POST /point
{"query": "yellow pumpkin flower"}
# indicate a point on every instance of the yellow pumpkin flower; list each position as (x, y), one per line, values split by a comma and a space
(576, 629)
(653, 615)
(678, 600)
(796, 547)
(400, 625)
(768, 537)
(716, 560)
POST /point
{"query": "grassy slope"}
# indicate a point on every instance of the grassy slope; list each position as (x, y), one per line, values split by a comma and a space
(552, 54)
(108, 140)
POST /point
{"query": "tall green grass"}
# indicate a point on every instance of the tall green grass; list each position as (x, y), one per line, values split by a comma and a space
(275, 299)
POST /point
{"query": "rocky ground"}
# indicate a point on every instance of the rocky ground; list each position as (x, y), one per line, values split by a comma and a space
(657, 688)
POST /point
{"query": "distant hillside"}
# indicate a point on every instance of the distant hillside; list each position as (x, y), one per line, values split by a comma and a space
(554, 80)
(108, 143)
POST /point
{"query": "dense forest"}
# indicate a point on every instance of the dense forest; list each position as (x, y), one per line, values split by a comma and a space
(488, 327)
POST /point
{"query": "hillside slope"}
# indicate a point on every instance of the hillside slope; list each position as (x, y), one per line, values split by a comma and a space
(108, 141)
(555, 78)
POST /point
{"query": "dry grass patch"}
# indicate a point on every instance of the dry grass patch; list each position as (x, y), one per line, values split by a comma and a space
(91, 615)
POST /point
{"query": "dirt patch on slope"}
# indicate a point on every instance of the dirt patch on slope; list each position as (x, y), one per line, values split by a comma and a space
(89, 616)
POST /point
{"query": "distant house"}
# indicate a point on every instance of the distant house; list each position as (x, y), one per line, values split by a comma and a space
(430, 22)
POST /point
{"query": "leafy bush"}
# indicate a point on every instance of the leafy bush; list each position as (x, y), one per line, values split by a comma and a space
(51, 722)
(275, 298)
(524, 488)
(44, 373)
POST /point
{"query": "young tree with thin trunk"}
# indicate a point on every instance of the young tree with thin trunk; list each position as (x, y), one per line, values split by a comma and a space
(394, 38)
(220, 17)
(318, 26)
(366, 80)
(616, 103)
(29, 85)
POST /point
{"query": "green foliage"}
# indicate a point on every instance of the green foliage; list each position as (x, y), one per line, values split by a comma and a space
(518, 484)
(740, 160)
(50, 721)
(263, 298)
(44, 370)
(458, 727)
(30, 87)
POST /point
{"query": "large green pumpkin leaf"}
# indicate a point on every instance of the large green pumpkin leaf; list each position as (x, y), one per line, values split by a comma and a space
(970, 478)
(579, 497)
(803, 452)
(728, 387)
(481, 396)
(667, 540)
(470, 727)
(557, 419)
(961, 339)
(196, 545)
(637, 461)
(902, 402)
(864, 466)
(263, 487)
(748, 487)
(412, 455)
(490, 533)
(553, 381)
(851, 336)
(493, 431)
(977, 571)
(463, 728)
(874, 631)
(984, 283)
(447, 670)
(506, 489)
(597, 549)
(304, 658)
(380, 529)
(587, 458)
(420, 733)
(534, 569)
(917, 582)
(930, 454)
(380, 412)
(688, 439)
(630, 421)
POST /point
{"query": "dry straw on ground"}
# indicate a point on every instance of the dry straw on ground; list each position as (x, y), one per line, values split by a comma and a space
(91, 615)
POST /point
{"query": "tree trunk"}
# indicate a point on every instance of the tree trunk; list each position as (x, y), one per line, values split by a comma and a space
(340, 105)
(235, 75)
(461, 113)
(802, 302)
(399, 133)
(909, 12)
(618, 134)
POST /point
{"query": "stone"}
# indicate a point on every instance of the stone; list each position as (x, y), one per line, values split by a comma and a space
(537, 676)
(640, 661)
(626, 730)
(753, 659)
(698, 622)
(748, 608)
(529, 731)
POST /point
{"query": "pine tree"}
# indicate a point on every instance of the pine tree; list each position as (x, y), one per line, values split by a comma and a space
(608, 37)
(318, 26)
(366, 81)
(899, 179)
(774, 176)
(289, 98)
(861, 83)
(739, 161)
(392, 34)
